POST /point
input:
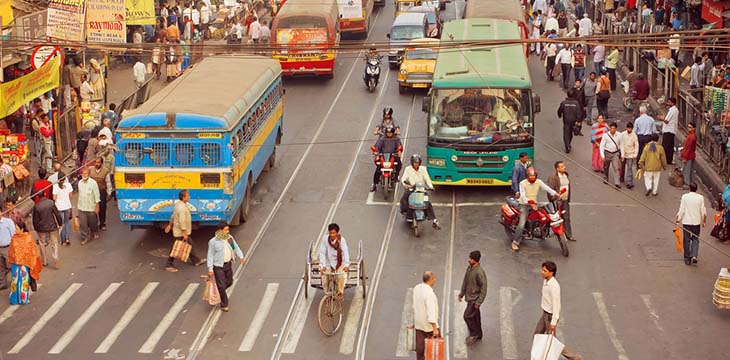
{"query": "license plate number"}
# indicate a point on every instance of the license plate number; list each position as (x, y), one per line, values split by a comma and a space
(480, 181)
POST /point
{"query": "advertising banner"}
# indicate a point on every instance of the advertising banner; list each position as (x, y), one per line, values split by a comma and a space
(66, 19)
(350, 9)
(24, 89)
(105, 21)
(6, 12)
(140, 12)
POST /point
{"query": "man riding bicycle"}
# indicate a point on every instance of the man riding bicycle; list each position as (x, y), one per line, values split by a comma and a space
(334, 258)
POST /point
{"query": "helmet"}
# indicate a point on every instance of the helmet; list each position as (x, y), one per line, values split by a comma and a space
(415, 158)
(531, 175)
(387, 111)
(390, 128)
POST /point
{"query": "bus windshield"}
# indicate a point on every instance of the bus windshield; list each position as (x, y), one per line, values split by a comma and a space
(421, 54)
(480, 115)
(406, 32)
(405, 5)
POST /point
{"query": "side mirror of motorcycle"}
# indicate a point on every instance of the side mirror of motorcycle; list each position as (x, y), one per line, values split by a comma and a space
(400, 148)
(373, 148)
(563, 191)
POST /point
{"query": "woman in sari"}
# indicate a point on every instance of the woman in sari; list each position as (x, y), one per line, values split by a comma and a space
(25, 262)
(96, 80)
(597, 130)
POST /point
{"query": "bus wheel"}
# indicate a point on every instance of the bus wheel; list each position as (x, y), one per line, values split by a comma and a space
(246, 204)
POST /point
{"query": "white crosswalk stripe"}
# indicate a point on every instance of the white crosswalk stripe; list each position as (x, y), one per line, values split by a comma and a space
(603, 311)
(166, 321)
(8, 313)
(258, 320)
(74, 330)
(349, 332)
(406, 320)
(460, 329)
(507, 302)
(300, 317)
(47, 316)
(129, 314)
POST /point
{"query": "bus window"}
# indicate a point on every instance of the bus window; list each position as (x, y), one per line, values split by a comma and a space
(210, 154)
(249, 129)
(239, 139)
(160, 154)
(133, 153)
(184, 154)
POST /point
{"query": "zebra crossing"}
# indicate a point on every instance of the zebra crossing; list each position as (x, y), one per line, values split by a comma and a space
(509, 301)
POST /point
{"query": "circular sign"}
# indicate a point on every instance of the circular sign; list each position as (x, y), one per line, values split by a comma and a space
(41, 54)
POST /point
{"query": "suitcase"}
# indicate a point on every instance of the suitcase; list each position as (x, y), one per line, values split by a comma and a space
(434, 348)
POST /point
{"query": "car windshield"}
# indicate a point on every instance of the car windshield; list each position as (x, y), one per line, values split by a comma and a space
(406, 32)
(421, 54)
(405, 5)
(480, 115)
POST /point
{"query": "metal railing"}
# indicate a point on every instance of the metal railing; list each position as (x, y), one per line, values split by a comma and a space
(136, 98)
(67, 127)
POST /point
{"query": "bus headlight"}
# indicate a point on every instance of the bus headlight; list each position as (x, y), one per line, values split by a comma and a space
(454, 158)
(228, 183)
(436, 162)
(505, 158)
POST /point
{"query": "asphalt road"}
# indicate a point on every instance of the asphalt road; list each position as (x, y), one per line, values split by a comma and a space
(626, 292)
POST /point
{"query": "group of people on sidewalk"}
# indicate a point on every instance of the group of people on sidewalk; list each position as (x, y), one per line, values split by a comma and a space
(474, 292)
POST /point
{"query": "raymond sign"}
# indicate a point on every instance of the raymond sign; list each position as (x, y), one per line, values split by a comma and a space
(66, 19)
(140, 12)
(13, 94)
(105, 21)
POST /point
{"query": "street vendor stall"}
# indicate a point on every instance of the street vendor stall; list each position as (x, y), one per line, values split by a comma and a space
(14, 169)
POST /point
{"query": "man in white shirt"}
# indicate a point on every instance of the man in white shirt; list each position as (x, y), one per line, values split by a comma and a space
(585, 27)
(204, 19)
(691, 213)
(529, 190)
(412, 175)
(551, 305)
(630, 153)
(425, 313)
(254, 30)
(265, 32)
(537, 20)
(611, 151)
(334, 258)
(565, 59)
(670, 128)
(551, 24)
(139, 71)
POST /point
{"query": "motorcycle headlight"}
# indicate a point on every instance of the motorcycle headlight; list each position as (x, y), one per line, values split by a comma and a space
(370, 71)
(554, 216)
(436, 162)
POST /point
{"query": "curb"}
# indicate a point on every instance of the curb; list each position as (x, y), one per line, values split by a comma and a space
(704, 168)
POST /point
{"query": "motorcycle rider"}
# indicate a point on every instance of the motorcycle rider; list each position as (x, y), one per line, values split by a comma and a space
(389, 144)
(529, 190)
(371, 54)
(412, 175)
(387, 120)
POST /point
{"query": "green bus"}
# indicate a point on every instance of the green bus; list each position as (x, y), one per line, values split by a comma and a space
(481, 106)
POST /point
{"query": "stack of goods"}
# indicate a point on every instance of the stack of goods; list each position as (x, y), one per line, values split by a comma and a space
(14, 147)
(721, 294)
(717, 100)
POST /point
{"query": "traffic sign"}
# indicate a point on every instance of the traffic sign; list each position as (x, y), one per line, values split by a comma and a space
(41, 54)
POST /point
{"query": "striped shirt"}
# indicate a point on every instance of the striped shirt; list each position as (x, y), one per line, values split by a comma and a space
(597, 131)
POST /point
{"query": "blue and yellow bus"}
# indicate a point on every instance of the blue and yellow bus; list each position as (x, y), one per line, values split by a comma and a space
(213, 132)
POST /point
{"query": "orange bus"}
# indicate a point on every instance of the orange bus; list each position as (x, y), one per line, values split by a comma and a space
(355, 16)
(305, 35)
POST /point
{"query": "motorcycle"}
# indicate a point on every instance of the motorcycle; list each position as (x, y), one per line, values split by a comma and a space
(372, 72)
(542, 223)
(388, 162)
(417, 206)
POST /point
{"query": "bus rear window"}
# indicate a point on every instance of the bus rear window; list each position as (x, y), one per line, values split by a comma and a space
(184, 154)
(133, 153)
(210, 154)
(302, 22)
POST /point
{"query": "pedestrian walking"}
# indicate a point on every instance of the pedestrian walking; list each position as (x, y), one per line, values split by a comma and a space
(599, 58)
(611, 65)
(603, 94)
(254, 30)
(696, 73)
(691, 214)
(99, 173)
(598, 129)
(579, 62)
(46, 223)
(581, 98)
(425, 313)
(669, 129)
(590, 89)
(551, 305)
(640, 93)
(652, 162)
(560, 182)
(87, 207)
(519, 172)
(7, 230)
(565, 59)
(536, 26)
(689, 153)
(551, 50)
(62, 191)
(25, 262)
(46, 132)
(562, 24)
(181, 225)
(610, 150)
(42, 187)
(222, 250)
(644, 126)
(571, 111)
(474, 290)
(630, 143)
(139, 71)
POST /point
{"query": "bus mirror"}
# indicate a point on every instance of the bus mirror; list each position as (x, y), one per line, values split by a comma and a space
(426, 103)
(387, 35)
(535, 103)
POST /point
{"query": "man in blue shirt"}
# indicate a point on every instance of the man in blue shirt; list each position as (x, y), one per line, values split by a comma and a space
(519, 173)
(7, 230)
(644, 128)
(334, 258)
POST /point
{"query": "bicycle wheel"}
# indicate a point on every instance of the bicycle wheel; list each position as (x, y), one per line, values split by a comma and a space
(329, 314)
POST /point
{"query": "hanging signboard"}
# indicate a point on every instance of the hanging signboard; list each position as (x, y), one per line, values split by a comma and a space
(105, 21)
(140, 12)
(41, 54)
(24, 89)
(66, 19)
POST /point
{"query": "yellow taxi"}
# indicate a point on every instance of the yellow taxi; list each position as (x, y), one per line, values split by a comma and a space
(419, 60)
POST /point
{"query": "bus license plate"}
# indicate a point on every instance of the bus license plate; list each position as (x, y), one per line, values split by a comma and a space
(480, 181)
